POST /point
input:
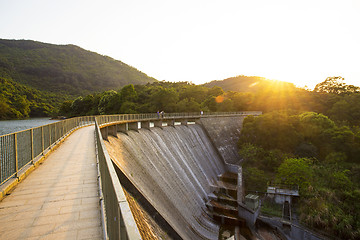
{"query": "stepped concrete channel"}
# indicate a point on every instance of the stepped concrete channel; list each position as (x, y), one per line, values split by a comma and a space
(174, 168)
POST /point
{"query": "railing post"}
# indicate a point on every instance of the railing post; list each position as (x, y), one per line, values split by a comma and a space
(42, 139)
(16, 155)
(49, 136)
(32, 145)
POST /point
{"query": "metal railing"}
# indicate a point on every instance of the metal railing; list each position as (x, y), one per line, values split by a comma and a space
(103, 119)
(17, 150)
(118, 220)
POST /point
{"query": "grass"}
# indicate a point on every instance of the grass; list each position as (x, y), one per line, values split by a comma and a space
(271, 208)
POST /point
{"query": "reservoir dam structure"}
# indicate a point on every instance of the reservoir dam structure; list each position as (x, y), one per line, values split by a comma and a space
(132, 176)
(177, 167)
(140, 177)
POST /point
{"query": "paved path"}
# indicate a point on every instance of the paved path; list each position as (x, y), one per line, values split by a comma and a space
(60, 199)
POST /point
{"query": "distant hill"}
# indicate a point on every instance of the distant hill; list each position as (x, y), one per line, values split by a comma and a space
(247, 84)
(64, 69)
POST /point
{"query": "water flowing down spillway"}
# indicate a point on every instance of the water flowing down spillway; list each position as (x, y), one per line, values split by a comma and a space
(173, 168)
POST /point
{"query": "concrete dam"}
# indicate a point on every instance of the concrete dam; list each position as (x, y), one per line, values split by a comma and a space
(175, 167)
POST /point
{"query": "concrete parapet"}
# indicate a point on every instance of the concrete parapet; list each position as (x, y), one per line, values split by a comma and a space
(184, 122)
(121, 127)
(112, 130)
(171, 122)
(145, 124)
(158, 123)
(104, 132)
(133, 126)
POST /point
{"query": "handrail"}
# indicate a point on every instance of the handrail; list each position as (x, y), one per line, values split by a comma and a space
(103, 119)
(119, 222)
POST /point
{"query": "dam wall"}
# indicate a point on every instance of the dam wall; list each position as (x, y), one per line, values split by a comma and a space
(224, 132)
(173, 168)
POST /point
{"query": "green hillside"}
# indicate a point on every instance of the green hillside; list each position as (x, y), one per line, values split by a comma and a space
(20, 101)
(64, 68)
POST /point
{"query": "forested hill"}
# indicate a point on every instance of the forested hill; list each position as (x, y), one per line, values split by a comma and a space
(64, 68)
(247, 84)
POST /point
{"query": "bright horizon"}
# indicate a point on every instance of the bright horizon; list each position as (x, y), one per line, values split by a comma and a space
(200, 41)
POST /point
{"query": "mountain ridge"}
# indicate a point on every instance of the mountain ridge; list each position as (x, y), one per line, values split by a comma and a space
(64, 68)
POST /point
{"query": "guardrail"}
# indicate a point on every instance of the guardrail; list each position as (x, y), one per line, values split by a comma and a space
(103, 119)
(17, 150)
(118, 221)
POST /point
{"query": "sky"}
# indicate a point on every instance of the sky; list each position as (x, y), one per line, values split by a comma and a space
(303, 42)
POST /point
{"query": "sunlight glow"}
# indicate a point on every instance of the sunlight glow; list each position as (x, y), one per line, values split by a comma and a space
(219, 99)
(199, 41)
(254, 84)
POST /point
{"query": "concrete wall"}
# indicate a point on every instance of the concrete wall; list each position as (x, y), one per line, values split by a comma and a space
(224, 133)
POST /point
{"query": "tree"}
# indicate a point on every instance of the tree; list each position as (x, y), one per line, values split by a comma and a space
(225, 106)
(209, 104)
(165, 99)
(188, 105)
(335, 85)
(347, 110)
(76, 105)
(255, 179)
(22, 105)
(295, 171)
(313, 125)
(215, 91)
(197, 93)
(128, 93)
(274, 130)
(128, 107)
(108, 103)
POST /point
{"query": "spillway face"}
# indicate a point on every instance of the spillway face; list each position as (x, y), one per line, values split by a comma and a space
(225, 132)
(173, 168)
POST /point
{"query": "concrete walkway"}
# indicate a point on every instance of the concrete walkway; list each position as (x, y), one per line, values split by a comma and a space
(60, 199)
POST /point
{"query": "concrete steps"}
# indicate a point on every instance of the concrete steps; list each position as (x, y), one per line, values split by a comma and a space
(225, 185)
(222, 203)
(223, 198)
(228, 177)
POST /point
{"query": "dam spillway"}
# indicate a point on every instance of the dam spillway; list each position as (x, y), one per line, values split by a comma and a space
(173, 168)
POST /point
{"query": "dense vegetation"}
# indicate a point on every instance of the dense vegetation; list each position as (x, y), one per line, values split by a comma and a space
(179, 97)
(65, 69)
(20, 101)
(319, 153)
(158, 96)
